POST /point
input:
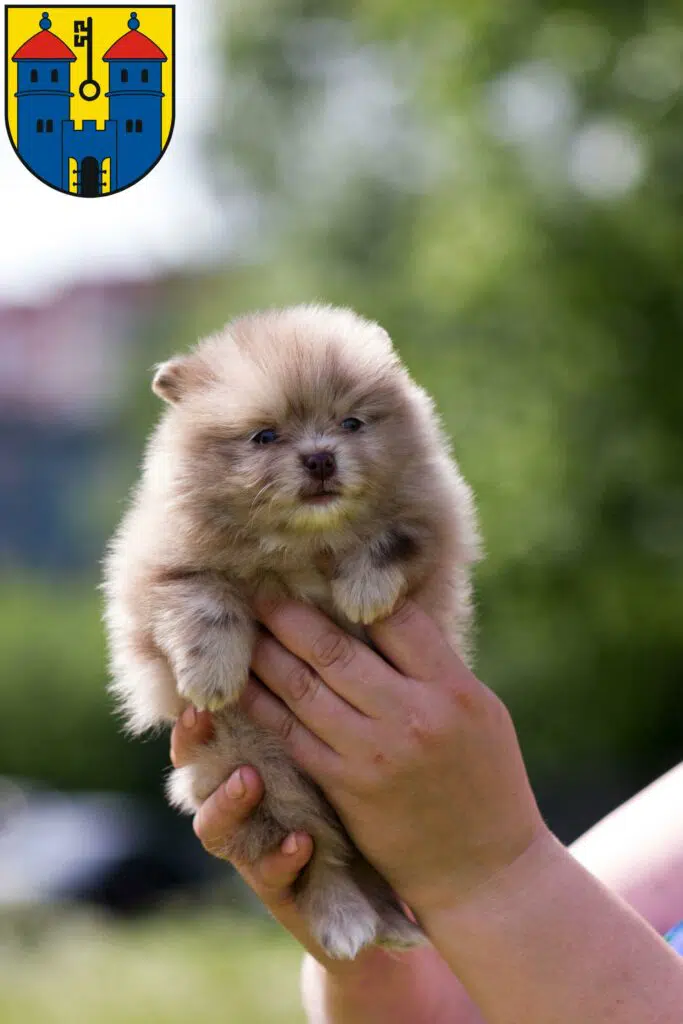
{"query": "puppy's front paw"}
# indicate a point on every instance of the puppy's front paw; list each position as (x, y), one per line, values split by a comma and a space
(370, 596)
(213, 672)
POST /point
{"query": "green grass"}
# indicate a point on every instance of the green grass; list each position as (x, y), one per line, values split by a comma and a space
(167, 970)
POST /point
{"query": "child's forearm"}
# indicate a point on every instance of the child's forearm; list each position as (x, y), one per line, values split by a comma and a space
(416, 987)
(546, 943)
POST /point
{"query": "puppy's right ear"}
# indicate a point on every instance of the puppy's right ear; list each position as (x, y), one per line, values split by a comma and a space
(171, 379)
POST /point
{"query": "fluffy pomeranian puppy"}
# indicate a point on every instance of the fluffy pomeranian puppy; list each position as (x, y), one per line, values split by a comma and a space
(296, 452)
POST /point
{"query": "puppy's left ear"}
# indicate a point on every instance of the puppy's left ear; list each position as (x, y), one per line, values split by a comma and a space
(171, 379)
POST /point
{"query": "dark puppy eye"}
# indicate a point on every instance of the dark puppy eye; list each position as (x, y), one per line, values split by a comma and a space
(352, 423)
(266, 436)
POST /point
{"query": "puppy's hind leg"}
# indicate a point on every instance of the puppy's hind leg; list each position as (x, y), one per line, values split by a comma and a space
(338, 914)
(395, 930)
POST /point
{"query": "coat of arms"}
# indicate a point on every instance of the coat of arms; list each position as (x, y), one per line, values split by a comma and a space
(89, 93)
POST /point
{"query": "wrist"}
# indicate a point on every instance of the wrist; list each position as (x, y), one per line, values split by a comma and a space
(488, 873)
(499, 890)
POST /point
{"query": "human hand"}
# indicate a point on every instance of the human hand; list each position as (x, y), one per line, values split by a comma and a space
(419, 758)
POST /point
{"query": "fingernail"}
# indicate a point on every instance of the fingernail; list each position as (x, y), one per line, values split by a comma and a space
(290, 845)
(189, 717)
(235, 787)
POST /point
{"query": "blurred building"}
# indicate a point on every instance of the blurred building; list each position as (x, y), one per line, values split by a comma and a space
(62, 379)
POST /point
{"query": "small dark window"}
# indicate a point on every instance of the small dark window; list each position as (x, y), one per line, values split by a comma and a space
(144, 76)
(129, 126)
(39, 124)
(138, 126)
(34, 75)
(124, 75)
(54, 75)
(48, 125)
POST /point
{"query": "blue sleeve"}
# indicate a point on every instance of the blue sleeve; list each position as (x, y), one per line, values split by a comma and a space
(675, 938)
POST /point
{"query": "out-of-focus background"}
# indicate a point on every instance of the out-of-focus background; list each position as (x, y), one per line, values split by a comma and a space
(501, 185)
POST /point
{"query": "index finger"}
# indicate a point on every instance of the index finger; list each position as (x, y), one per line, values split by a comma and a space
(347, 665)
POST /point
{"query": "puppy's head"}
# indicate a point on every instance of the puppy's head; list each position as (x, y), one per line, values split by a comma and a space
(298, 420)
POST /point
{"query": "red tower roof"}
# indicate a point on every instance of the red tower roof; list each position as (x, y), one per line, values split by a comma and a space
(134, 45)
(44, 45)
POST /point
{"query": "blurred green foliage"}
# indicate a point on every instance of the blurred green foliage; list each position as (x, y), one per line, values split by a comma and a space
(57, 723)
(502, 187)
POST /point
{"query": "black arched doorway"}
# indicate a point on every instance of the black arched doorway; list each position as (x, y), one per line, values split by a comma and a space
(90, 177)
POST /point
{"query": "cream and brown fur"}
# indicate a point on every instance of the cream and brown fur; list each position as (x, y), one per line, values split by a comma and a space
(221, 508)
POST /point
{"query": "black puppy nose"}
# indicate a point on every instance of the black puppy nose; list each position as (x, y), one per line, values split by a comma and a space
(321, 465)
